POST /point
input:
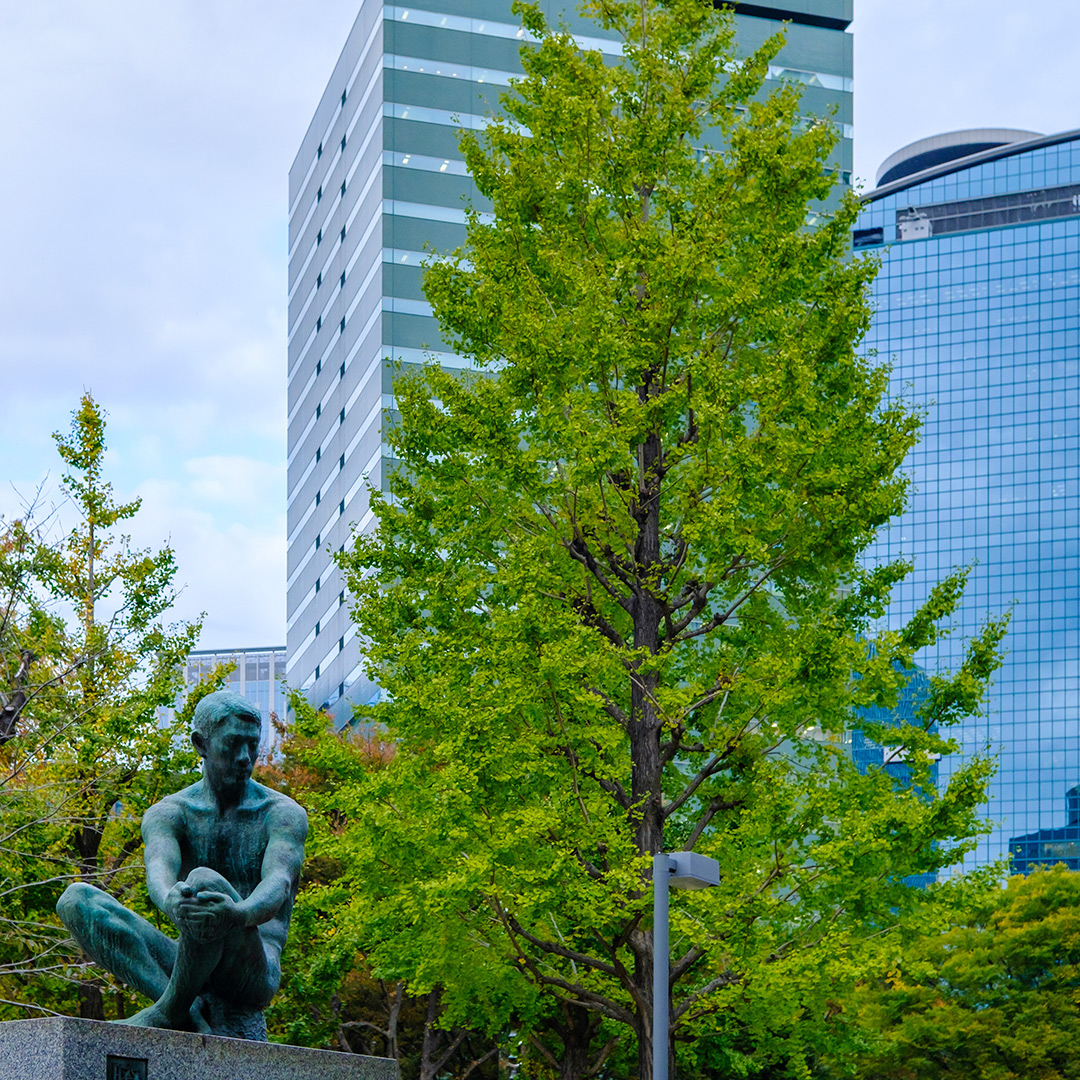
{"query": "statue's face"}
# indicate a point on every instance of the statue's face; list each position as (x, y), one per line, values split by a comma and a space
(229, 753)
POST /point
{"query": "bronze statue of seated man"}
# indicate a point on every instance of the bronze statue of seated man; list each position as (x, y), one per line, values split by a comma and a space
(223, 860)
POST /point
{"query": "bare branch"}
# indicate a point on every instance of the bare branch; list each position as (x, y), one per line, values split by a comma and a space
(722, 617)
(555, 949)
(716, 805)
(729, 978)
(685, 963)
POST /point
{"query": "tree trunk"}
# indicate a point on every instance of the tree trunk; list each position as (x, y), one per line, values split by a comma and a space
(576, 1033)
(91, 1001)
(646, 725)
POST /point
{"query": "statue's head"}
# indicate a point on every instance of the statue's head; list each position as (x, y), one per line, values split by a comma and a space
(225, 730)
(214, 709)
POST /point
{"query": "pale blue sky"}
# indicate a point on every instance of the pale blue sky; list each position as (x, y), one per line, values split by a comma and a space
(145, 151)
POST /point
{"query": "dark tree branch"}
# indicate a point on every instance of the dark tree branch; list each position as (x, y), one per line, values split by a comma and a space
(611, 706)
(12, 706)
(729, 978)
(722, 617)
(612, 787)
(548, 1056)
(605, 1051)
(716, 806)
(555, 949)
(580, 552)
(715, 765)
(685, 963)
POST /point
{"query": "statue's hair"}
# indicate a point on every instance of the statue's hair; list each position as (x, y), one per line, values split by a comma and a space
(214, 709)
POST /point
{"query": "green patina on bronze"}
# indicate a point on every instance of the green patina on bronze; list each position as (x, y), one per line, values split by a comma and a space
(223, 860)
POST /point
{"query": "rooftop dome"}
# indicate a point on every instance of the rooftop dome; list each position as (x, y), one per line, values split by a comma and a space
(938, 149)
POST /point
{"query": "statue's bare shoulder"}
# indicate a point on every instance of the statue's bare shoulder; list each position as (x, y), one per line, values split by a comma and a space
(282, 812)
(167, 814)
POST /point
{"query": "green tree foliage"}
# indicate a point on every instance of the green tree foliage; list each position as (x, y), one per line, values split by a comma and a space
(329, 996)
(992, 998)
(615, 596)
(89, 661)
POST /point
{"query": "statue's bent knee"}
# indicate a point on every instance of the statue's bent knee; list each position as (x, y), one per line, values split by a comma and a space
(75, 901)
(202, 877)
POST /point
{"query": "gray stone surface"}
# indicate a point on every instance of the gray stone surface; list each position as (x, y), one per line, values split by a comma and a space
(63, 1048)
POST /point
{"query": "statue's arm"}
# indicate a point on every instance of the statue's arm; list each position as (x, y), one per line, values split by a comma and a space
(281, 863)
(160, 832)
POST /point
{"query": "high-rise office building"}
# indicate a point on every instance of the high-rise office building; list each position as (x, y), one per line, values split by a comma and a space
(978, 309)
(377, 181)
(256, 674)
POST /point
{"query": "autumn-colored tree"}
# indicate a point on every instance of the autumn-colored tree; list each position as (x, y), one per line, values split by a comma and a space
(329, 996)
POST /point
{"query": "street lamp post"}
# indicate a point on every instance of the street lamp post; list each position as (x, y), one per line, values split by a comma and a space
(681, 870)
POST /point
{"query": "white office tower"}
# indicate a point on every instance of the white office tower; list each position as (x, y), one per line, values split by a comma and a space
(377, 180)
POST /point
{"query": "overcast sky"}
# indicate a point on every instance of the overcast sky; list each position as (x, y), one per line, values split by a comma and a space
(144, 150)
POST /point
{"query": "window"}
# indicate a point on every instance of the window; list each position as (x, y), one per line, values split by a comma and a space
(318, 497)
(318, 153)
(318, 584)
(343, 189)
(343, 142)
(318, 367)
(318, 628)
(341, 643)
(318, 282)
(341, 371)
(318, 194)
(318, 324)
(318, 239)
(318, 454)
(318, 411)
(341, 328)
(341, 415)
(343, 93)
(341, 462)
(318, 541)
(343, 234)
(341, 508)
(341, 598)
(343, 279)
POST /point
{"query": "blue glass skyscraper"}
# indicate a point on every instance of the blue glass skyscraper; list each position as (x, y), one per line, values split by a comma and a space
(978, 309)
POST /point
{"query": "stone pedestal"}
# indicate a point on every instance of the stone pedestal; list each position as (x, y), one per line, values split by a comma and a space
(63, 1048)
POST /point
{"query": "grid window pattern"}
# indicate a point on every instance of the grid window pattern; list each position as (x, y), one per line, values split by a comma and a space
(257, 674)
(983, 331)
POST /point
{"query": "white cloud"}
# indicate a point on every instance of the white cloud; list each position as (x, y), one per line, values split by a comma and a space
(924, 67)
(232, 565)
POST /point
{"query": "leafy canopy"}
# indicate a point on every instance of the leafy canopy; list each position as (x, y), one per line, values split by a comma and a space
(615, 595)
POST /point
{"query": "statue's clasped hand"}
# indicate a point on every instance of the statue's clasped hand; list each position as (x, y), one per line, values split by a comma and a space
(203, 912)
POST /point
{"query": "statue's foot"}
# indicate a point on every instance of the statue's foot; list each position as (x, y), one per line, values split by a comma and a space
(156, 1017)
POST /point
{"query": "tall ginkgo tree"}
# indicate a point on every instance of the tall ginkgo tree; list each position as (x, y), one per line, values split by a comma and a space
(616, 597)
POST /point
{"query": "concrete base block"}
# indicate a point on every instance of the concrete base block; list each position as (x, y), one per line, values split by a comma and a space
(63, 1048)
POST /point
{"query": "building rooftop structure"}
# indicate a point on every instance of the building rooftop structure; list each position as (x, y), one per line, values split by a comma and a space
(1049, 846)
(936, 150)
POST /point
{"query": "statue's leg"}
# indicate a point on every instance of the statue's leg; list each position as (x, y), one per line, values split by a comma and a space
(120, 941)
(199, 965)
(248, 970)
